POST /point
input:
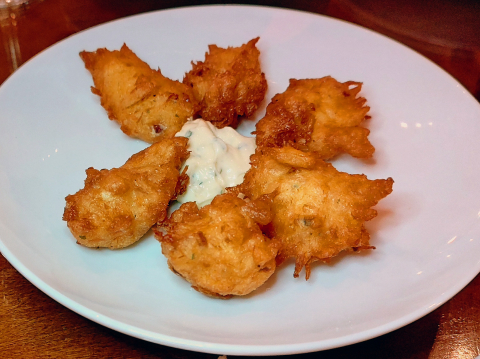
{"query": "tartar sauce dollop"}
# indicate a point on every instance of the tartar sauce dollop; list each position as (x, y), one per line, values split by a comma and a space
(218, 159)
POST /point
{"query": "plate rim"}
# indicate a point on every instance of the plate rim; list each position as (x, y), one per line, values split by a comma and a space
(211, 347)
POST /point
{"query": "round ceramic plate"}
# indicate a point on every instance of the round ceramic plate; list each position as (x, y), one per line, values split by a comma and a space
(424, 125)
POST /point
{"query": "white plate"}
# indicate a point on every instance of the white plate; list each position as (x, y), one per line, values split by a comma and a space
(425, 126)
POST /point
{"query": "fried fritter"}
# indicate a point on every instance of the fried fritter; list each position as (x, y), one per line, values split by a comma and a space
(220, 248)
(146, 104)
(288, 121)
(118, 206)
(319, 115)
(228, 84)
(318, 211)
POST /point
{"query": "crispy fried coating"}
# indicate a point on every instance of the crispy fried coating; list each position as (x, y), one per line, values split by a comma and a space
(220, 248)
(118, 206)
(228, 84)
(288, 121)
(318, 211)
(319, 115)
(146, 104)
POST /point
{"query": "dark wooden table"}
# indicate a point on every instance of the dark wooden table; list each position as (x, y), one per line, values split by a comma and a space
(34, 326)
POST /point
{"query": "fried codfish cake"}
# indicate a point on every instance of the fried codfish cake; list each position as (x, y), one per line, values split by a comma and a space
(318, 211)
(319, 115)
(145, 103)
(118, 206)
(228, 84)
(220, 248)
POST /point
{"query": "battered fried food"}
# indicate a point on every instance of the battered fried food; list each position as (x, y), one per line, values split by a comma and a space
(288, 121)
(318, 211)
(320, 115)
(220, 248)
(118, 206)
(228, 84)
(145, 103)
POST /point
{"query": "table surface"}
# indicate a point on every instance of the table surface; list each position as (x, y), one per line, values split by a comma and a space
(34, 325)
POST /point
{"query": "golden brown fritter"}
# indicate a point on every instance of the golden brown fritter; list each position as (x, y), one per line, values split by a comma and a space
(118, 206)
(220, 248)
(288, 121)
(319, 115)
(145, 103)
(318, 211)
(228, 84)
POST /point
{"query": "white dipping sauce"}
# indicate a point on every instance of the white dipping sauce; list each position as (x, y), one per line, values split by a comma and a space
(218, 159)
